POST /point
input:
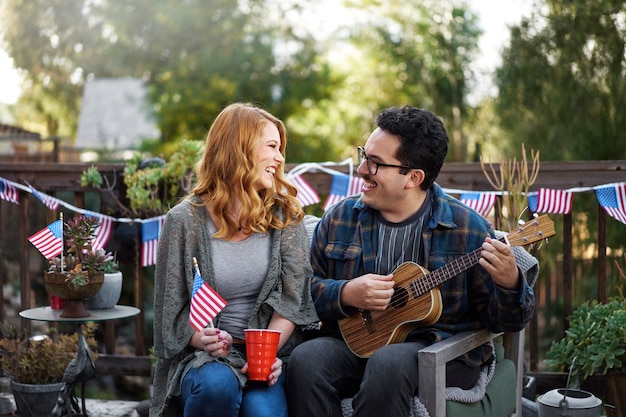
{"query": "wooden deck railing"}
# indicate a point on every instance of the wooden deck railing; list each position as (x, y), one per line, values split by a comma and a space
(20, 221)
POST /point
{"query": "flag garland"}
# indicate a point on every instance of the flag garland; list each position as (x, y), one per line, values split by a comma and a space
(8, 192)
(103, 231)
(49, 240)
(48, 201)
(205, 304)
(150, 232)
(306, 194)
(342, 186)
(482, 203)
(547, 200)
(612, 198)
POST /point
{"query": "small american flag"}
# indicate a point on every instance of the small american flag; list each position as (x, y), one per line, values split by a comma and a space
(613, 200)
(48, 201)
(546, 200)
(306, 194)
(206, 303)
(150, 232)
(8, 192)
(49, 240)
(481, 202)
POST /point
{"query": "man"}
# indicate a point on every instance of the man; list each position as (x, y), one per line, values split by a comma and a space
(401, 215)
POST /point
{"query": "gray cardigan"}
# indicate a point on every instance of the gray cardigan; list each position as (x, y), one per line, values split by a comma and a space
(286, 290)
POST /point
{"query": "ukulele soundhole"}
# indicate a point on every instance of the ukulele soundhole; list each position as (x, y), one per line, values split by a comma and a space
(400, 297)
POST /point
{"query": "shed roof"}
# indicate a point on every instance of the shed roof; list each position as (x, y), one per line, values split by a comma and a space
(115, 115)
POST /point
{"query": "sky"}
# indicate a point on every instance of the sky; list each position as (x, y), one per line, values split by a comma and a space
(494, 17)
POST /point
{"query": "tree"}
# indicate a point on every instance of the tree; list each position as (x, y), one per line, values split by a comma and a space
(195, 56)
(418, 53)
(562, 84)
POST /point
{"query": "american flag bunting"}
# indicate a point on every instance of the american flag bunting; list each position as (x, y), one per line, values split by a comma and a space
(150, 232)
(546, 200)
(48, 201)
(481, 202)
(103, 231)
(342, 186)
(8, 192)
(306, 194)
(613, 200)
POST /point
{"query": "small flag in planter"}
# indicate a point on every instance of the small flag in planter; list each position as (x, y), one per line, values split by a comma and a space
(49, 240)
(206, 303)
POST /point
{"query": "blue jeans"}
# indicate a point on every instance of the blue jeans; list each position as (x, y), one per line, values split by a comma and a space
(322, 371)
(213, 390)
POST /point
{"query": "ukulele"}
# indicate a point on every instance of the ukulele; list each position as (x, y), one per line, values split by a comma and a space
(416, 300)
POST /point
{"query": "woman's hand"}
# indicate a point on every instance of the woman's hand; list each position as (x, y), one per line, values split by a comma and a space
(216, 342)
(275, 370)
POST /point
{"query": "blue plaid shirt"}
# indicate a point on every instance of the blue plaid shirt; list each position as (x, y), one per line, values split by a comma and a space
(344, 247)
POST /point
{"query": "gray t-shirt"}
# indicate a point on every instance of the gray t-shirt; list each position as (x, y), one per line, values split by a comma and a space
(240, 271)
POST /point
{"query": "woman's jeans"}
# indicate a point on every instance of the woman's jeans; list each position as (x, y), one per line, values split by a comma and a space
(213, 390)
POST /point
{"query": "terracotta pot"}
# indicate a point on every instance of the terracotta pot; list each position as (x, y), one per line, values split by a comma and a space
(55, 284)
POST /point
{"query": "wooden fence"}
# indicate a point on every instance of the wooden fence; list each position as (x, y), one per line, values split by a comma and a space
(17, 222)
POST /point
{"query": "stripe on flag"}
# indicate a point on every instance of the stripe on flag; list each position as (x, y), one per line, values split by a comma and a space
(306, 194)
(103, 231)
(8, 192)
(206, 303)
(150, 232)
(48, 201)
(546, 200)
(356, 183)
(481, 202)
(49, 240)
(613, 200)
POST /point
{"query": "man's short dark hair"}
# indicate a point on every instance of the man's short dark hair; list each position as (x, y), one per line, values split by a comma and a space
(423, 139)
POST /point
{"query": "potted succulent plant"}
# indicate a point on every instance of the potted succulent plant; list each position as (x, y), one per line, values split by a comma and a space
(36, 366)
(79, 274)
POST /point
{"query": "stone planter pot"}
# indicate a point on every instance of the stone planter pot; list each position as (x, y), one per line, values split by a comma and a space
(55, 284)
(32, 400)
(108, 295)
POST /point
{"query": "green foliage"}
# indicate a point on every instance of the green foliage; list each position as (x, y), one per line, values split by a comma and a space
(595, 341)
(562, 81)
(153, 186)
(41, 360)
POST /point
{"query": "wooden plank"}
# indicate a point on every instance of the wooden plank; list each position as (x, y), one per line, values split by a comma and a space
(107, 364)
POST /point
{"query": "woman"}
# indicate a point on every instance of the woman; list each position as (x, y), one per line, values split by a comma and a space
(243, 224)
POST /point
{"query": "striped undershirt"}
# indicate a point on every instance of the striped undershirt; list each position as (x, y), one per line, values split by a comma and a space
(400, 242)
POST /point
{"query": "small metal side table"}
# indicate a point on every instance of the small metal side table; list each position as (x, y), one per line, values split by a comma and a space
(82, 367)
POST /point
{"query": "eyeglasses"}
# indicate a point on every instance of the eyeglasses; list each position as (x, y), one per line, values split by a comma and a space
(373, 165)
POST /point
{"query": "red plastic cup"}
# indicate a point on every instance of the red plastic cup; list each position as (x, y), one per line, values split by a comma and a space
(57, 303)
(261, 348)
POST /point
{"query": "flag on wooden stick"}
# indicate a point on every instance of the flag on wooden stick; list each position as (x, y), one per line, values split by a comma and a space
(206, 303)
(49, 240)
